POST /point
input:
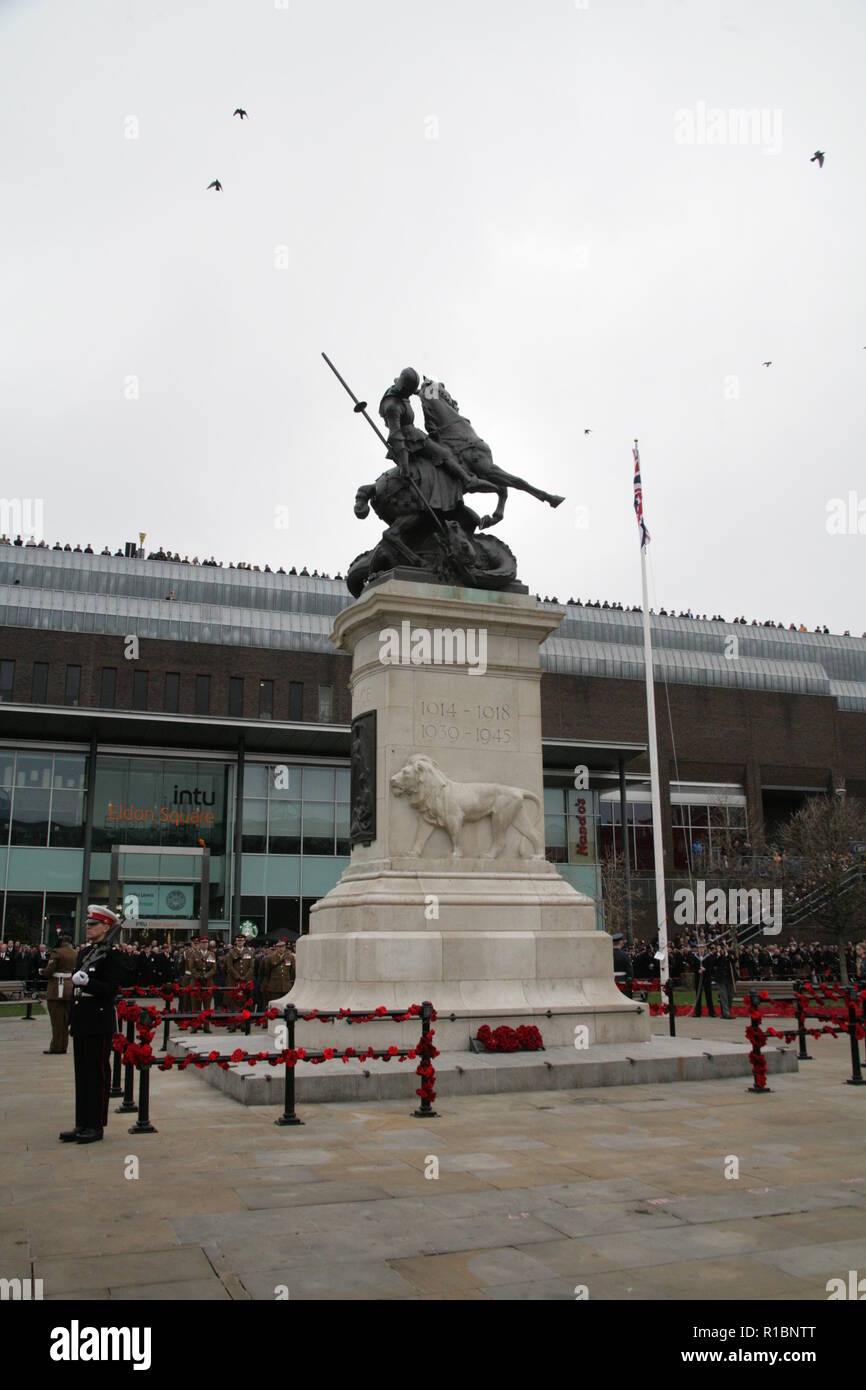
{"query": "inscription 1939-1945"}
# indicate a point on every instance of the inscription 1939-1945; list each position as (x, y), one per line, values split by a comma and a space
(362, 822)
(462, 724)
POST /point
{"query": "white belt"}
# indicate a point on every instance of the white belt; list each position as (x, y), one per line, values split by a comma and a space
(63, 974)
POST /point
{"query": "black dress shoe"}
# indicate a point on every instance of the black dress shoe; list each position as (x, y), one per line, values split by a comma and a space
(69, 1136)
(88, 1136)
(49, 1052)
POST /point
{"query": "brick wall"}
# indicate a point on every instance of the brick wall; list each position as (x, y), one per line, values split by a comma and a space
(189, 660)
(744, 736)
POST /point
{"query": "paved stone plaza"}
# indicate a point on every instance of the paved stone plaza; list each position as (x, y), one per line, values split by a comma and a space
(619, 1189)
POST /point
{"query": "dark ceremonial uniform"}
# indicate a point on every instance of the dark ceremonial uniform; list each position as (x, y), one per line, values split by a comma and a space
(58, 973)
(704, 985)
(148, 973)
(623, 969)
(92, 1024)
(724, 979)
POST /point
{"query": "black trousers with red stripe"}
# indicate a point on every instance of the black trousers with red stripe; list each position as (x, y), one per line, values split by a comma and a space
(92, 1055)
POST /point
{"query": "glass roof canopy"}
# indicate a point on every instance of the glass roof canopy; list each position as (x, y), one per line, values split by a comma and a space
(73, 592)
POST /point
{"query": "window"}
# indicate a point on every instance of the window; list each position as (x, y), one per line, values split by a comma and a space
(710, 835)
(31, 799)
(61, 915)
(284, 917)
(318, 827)
(253, 910)
(172, 692)
(236, 697)
(7, 680)
(172, 803)
(255, 824)
(108, 687)
(202, 694)
(39, 693)
(284, 810)
(284, 826)
(342, 775)
(67, 816)
(139, 690)
(296, 699)
(266, 699)
(319, 810)
(24, 917)
(290, 810)
(555, 838)
(326, 700)
(73, 685)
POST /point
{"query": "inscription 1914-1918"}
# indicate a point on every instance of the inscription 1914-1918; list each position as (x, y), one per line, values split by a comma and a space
(362, 822)
(462, 724)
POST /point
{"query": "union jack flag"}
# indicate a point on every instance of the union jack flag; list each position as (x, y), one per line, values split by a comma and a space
(638, 498)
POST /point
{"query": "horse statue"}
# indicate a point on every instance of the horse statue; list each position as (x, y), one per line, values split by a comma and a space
(430, 529)
(445, 425)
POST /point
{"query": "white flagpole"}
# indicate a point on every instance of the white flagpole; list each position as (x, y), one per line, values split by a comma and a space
(658, 854)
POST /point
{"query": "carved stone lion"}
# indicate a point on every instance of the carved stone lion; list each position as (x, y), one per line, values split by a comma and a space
(448, 805)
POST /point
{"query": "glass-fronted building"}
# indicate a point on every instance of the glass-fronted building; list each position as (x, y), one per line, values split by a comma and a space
(177, 736)
(148, 806)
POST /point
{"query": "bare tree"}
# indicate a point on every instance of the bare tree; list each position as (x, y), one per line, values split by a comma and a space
(822, 868)
(613, 894)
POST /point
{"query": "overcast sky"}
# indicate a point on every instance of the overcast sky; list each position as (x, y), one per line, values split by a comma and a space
(518, 197)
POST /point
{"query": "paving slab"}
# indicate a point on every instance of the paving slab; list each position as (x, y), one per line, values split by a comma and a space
(68, 1275)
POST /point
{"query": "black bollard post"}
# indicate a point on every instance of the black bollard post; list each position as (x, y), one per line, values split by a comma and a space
(672, 1007)
(116, 1088)
(802, 1055)
(142, 1124)
(28, 1017)
(128, 1106)
(425, 1110)
(288, 1116)
(856, 1077)
(755, 1004)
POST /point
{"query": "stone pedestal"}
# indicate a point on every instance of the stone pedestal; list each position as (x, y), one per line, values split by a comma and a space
(473, 918)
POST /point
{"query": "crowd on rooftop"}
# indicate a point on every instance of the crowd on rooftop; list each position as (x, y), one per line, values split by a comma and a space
(687, 613)
(173, 556)
(212, 563)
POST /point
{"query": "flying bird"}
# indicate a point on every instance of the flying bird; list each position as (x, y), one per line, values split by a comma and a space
(217, 185)
(239, 111)
(766, 364)
(819, 155)
(587, 431)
